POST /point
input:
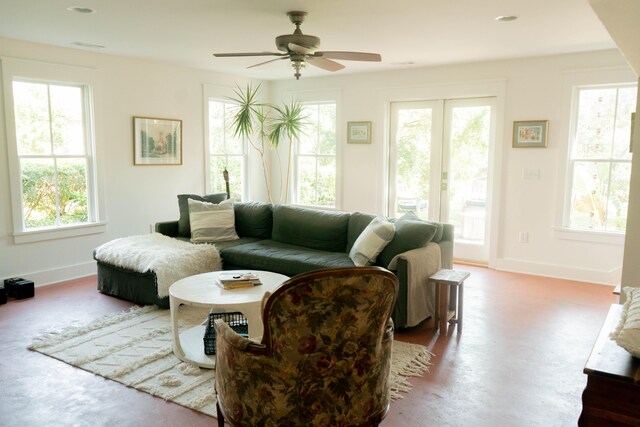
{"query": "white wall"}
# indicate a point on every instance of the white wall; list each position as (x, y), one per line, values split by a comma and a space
(533, 89)
(135, 196)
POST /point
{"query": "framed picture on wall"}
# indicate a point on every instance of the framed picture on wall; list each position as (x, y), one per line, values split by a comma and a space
(358, 132)
(157, 141)
(530, 133)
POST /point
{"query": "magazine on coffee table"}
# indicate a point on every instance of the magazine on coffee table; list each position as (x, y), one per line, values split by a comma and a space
(237, 280)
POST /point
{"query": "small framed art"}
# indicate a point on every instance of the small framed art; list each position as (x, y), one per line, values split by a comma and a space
(157, 141)
(530, 133)
(358, 132)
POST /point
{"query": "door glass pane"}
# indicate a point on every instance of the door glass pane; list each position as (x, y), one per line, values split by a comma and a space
(470, 133)
(413, 162)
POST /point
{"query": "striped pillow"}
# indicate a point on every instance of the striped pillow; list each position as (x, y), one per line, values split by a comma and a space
(212, 223)
(371, 242)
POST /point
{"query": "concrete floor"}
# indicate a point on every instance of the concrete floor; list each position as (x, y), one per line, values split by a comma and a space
(518, 361)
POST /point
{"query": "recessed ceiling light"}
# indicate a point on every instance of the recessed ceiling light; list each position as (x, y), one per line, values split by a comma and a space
(80, 9)
(506, 18)
(89, 45)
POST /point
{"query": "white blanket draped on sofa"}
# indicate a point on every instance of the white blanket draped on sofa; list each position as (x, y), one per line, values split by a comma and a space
(170, 259)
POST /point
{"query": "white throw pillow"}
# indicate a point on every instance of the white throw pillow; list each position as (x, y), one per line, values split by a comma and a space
(212, 223)
(371, 242)
(627, 333)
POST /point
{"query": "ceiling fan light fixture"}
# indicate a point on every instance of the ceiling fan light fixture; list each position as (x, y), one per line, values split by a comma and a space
(298, 66)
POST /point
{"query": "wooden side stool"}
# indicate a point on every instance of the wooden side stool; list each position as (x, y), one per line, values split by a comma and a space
(449, 304)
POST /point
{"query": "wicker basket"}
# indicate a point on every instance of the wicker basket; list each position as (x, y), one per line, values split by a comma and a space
(235, 320)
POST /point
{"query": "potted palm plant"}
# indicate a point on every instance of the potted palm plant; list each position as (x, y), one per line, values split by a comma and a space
(265, 127)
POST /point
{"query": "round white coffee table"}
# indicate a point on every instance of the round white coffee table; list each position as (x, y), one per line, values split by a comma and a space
(202, 291)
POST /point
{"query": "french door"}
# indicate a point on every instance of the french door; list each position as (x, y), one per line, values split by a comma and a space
(440, 169)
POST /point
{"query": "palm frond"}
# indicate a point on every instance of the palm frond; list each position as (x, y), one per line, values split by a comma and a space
(245, 114)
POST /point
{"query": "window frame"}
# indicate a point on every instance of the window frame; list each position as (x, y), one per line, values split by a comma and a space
(297, 156)
(246, 159)
(572, 81)
(62, 75)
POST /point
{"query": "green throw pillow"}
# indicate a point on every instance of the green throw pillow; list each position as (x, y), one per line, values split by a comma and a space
(411, 233)
(184, 228)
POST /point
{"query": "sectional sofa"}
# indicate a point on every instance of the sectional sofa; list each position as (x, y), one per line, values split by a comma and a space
(292, 240)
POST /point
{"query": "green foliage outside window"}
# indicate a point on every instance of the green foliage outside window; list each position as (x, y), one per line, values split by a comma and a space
(45, 188)
(600, 159)
(51, 149)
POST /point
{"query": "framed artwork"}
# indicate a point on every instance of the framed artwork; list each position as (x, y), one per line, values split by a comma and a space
(530, 133)
(157, 141)
(358, 132)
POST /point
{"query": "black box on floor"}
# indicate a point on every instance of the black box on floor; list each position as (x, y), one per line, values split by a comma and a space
(19, 288)
(3, 295)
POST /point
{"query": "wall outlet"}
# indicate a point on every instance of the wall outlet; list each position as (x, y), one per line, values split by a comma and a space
(523, 237)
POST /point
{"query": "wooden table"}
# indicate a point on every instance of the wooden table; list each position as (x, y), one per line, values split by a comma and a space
(449, 298)
(201, 290)
(612, 394)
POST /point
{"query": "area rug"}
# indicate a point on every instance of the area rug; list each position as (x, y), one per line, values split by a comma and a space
(134, 348)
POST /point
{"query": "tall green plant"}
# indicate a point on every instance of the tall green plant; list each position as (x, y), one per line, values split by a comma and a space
(289, 123)
(265, 126)
(248, 119)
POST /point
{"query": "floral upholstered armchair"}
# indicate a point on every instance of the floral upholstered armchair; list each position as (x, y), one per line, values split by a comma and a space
(324, 359)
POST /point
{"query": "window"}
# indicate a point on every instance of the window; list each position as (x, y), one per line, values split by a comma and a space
(51, 153)
(225, 152)
(599, 160)
(316, 160)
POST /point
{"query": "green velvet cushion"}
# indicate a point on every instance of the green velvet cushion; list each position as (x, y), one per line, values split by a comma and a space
(254, 219)
(358, 221)
(439, 232)
(184, 227)
(411, 233)
(310, 228)
(282, 258)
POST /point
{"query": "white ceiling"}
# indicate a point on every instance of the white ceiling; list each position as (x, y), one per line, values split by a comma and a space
(407, 33)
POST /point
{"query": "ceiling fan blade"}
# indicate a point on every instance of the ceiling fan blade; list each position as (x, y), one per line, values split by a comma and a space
(234, 54)
(296, 48)
(266, 62)
(324, 63)
(350, 56)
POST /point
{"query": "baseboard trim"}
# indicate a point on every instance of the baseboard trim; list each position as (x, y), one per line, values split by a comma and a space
(61, 274)
(599, 277)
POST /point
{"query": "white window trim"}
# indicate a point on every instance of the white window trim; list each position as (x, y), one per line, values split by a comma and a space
(317, 97)
(19, 69)
(572, 80)
(222, 94)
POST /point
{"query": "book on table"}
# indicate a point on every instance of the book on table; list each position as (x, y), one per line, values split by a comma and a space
(238, 280)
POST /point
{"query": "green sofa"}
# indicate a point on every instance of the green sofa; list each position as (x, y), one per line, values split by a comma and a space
(292, 240)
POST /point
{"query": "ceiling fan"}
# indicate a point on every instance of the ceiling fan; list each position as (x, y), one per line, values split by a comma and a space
(302, 48)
